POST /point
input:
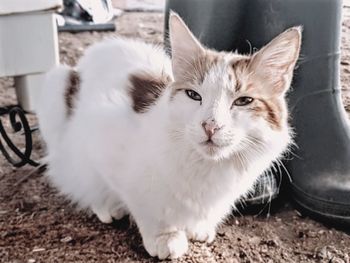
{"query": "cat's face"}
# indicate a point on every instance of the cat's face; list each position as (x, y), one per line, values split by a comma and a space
(225, 104)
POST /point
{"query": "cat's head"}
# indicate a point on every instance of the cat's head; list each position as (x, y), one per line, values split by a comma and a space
(225, 104)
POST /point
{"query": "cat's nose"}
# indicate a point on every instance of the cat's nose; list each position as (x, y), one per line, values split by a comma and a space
(210, 127)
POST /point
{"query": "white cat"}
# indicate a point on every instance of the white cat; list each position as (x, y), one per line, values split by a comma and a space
(174, 143)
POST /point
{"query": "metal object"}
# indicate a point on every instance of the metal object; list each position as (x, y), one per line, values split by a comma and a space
(85, 15)
(74, 28)
(19, 123)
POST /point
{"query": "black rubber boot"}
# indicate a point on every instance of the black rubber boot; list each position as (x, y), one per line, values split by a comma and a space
(320, 170)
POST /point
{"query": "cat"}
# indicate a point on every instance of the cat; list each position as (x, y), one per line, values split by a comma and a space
(173, 142)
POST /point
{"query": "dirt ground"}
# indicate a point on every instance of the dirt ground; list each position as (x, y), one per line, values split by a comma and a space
(37, 225)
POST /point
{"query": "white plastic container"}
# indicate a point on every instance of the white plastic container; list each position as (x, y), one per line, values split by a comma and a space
(28, 44)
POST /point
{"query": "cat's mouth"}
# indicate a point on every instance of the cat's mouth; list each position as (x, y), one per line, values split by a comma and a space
(213, 146)
(210, 143)
(212, 150)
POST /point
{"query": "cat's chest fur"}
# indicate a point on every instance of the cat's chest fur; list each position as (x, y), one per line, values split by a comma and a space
(175, 178)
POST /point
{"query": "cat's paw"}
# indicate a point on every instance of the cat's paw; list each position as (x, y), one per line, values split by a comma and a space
(171, 245)
(202, 233)
(119, 212)
(104, 216)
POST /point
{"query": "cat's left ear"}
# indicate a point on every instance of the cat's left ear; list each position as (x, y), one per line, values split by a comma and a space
(184, 45)
(275, 62)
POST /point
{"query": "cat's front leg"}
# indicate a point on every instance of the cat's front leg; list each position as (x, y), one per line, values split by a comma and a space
(203, 231)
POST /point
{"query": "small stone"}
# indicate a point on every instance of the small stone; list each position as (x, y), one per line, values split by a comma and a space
(312, 234)
(31, 260)
(38, 249)
(36, 198)
(255, 240)
(264, 249)
(298, 213)
(284, 255)
(322, 254)
(66, 239)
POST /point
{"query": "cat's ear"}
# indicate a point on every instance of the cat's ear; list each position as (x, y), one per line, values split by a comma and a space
(184, 45)
(275, 62)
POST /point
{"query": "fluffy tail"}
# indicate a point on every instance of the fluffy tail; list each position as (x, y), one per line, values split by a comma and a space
(52, 108)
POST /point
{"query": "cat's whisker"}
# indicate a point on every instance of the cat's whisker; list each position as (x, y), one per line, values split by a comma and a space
(239, 158)
(280, 176)
(285, 169)
(290, 151)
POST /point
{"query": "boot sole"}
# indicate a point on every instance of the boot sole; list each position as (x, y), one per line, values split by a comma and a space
(336, 214)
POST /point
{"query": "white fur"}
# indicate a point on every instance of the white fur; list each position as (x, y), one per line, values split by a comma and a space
(152, 165)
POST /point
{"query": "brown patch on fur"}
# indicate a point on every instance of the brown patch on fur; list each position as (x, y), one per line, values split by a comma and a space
(195, 70)
(236, 70)
(145, 89)
(72, 91)
(271, 110)
(176, 87)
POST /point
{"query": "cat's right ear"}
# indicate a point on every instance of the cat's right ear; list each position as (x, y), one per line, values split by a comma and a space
(184, 45)
(275, 62)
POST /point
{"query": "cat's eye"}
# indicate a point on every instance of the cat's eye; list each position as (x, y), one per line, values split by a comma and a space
(242, 101)
(193, 95)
